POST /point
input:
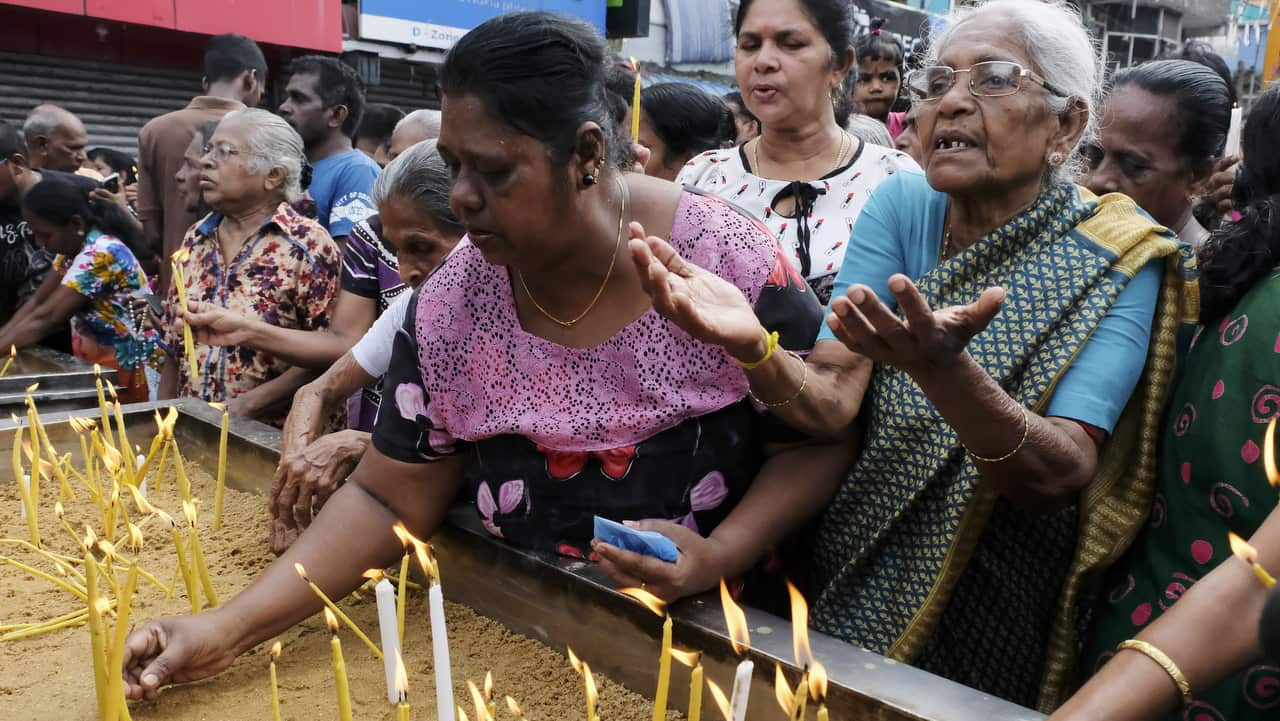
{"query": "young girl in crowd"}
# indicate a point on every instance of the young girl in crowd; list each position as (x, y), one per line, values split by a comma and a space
(678, 121)
(95, 273)
(878, 78)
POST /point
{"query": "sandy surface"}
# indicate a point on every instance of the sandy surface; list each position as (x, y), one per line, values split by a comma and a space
(50, 677)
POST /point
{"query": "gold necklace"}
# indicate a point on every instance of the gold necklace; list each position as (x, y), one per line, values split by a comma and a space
(608, 274)
(755, 152)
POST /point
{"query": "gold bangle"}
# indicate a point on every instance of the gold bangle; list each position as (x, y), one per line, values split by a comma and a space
(1026, 431)
(771, 347)
(804, 381)
(1163, 661)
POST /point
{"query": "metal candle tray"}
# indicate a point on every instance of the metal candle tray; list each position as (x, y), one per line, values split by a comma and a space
(66, 382)
(565, 602)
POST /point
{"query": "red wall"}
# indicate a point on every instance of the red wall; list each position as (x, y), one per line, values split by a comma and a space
(311, 24)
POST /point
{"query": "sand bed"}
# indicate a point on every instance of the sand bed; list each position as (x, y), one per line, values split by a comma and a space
(50, 676)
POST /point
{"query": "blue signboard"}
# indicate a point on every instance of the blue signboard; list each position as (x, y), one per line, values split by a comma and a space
(439, 23)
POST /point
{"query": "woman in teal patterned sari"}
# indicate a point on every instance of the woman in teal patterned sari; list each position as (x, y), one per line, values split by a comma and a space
(989, 331)
(1179, 590)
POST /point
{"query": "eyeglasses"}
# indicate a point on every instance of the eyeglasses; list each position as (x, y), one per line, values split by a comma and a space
(219, 153)
(991, 79)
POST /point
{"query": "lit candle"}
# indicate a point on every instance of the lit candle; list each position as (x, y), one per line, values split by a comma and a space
(693, 660)
(13, 353)
(635, 104)
(489, 706)
(477, 700)
(800, 645)
(156, 442)
(222, 467)
(439, 633)
(664, 674)
(333, 608)
(339, 668)
(401, 689)
(1269, 454)
(184, 485)
(588, 684)
(124, 446)
(1233, 132)
(24, 489)
(102, 404)
(1249, 555)
(197, 555)
(801, 698)
(719, 699)
(400, 595)
(518, 712)
(740, 639)
(390, 635)
(275, 688)
(818, 687)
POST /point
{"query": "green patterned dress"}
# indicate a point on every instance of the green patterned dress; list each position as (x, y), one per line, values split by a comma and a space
(1211, 482)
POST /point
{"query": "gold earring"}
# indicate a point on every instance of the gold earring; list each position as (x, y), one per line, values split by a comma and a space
(1055, 160)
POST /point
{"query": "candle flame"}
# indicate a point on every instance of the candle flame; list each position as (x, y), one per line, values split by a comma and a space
(818, 682)
(331, 621)
(181, 254)
(111, 390)
(800, 627)
(302, 572)
(81, 425)
(593, 696)
(218, 406)
(1242, 549)
(111, 458)
(575, 662)
(58, 510)
(721, 701)
(650, 601)
(32, 388)
(108, 549)
(402, 678)
(514, 708)
(373, 574)
(97, 369)
(1269, 454)
(477, 700)
(688, 658)
(13, 350)
(170, 420)
(420, 549)
(488, 685)
(143, 505)
(164, 517)
(101, 605)
(736, 620)
(90, 538)
(14, 418)
(26, 449)
(782, 690)
(189, 510)
(462, 715)
(275, 651)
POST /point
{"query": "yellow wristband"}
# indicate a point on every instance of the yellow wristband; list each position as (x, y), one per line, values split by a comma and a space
(771, 340)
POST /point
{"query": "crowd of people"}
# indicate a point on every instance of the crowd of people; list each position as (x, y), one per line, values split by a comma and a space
(980, 354)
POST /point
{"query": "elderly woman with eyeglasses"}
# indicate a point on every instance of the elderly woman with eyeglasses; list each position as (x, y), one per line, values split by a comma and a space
(989, 329)
(253, 255)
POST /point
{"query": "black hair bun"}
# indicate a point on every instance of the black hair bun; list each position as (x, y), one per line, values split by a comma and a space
(877, 24)
(304, 179)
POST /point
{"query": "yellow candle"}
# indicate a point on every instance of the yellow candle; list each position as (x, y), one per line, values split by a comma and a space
(275, 688)
(400, 595)
(184, 485)
(664, 674)
(695, 693)
(188, 341)
(402, 689)
(188, 578)
(97, 633)
(222, 470)
(156, 442)
(126, 449)
(635, 104)
(28, 500)
(115, 659)
(402, 711)
(801, 698)
(1249, 555)
(339, 668)
(822, 713)
(102, 405)
(13, 352)
(333, 608)
(197, 555)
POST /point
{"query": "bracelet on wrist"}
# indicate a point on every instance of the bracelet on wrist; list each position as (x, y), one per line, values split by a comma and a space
(1162, 660)
(771, 347)
(1026, 431)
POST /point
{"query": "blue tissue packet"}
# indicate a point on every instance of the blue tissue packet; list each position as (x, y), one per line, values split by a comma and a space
(648, 543)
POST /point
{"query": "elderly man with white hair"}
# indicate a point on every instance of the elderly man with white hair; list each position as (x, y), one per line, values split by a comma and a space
(412, 129)
(989, 328)
(254, 256)
(56, 139)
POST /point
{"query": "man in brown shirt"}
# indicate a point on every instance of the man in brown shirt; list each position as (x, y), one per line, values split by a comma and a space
(235, 74)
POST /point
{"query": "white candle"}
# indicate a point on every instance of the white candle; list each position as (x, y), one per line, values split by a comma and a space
(741, 691)
(390, 632)
(440, 649)
(1233, 132)
(142, 482)
(26, 481)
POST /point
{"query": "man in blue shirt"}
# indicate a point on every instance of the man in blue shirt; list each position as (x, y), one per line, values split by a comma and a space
(324, 101)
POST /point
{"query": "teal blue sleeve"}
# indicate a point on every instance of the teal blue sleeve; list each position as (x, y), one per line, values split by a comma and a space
(1096, 388)
(891, 235)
